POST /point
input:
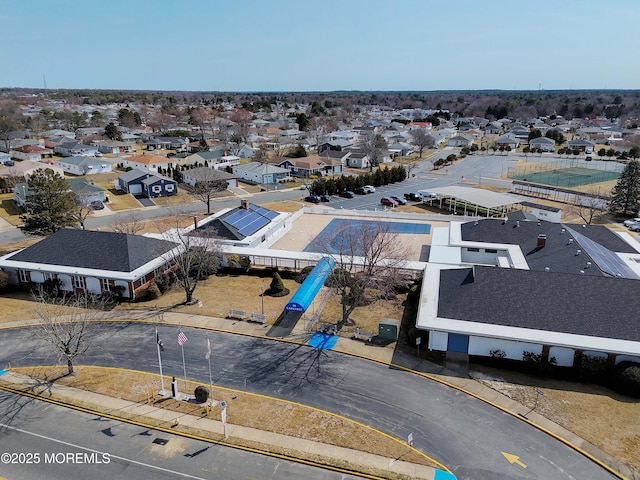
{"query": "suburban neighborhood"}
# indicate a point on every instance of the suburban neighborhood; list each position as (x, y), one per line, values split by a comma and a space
(476, 246)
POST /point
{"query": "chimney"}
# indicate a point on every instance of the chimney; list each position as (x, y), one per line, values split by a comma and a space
(517, 223)
(542, 240)
(244, 204)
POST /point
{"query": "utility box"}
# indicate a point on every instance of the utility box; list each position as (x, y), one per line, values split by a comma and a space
(388, 329)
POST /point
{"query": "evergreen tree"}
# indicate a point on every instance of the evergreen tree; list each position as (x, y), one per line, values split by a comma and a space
(626, 194)
(50, 204)
(277, 285)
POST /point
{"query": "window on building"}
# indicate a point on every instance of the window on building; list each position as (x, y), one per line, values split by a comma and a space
(49, 276)
(490, 250)
(24, 276)
(105, 285)
(169, 188)
(473, 249)
(156, 189)
(78, 282)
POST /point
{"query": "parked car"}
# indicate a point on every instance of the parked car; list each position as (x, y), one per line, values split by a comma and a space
(390, 202)
(325, 198)
(304, 186)
(96, 205)
(400, 200)
(634, 227)
(8, 163)
(413, 196)
(588, 159)
(359, 190)
(631, 221)
(347, 194)
(312, 199)
(98, 154)
(369, 189)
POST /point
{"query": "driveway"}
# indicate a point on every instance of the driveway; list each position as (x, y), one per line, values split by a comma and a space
(144, 200)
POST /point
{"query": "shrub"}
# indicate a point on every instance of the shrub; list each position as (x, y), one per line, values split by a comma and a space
(163, 281)
(626, 379)
(149, 293)
(4, 280)
(277, 285)
(497, 354)
(245, 262)
(233, 260)
(592, 368)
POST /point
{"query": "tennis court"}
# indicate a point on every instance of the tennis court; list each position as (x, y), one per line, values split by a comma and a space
(329, 236)
(566, 177)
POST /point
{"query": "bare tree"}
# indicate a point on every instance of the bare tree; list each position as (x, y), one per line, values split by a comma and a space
(367, 258)
(130, 223)
(374, 146)
(209, 182)
(422, 139)
(589, 206)
(197, 256)
(65, 318)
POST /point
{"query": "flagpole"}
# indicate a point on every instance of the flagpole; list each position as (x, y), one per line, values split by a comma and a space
(210, 382)
(160, 363)
(184, 371)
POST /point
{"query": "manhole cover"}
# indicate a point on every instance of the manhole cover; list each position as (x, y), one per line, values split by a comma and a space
(161, 441)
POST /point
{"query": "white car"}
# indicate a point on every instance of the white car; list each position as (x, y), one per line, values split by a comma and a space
(98, 154)
(632, 221)
(369, 189)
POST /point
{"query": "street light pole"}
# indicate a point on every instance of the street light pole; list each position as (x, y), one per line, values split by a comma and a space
(262, 297)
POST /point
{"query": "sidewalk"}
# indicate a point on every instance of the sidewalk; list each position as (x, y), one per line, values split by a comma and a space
(183, 424)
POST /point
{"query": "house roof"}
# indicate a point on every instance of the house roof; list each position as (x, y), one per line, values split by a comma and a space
(80, 185)
(584, 305)
(135, 174)
(259, 168)
(542, 140)
(558, 254)
(80, 160)
(89, 249)
(149, 159)
(207, 174)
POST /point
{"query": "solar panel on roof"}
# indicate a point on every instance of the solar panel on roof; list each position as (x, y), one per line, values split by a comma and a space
(254, 226)
(608, 261)
(244, 221)
(263, 211)
(231, 219)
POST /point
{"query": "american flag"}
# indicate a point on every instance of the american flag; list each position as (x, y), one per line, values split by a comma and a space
(182, 338)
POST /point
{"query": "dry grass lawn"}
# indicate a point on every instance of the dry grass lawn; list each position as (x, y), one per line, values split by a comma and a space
(254, 411)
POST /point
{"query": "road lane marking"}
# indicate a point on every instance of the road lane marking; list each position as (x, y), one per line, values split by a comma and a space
(91, 450)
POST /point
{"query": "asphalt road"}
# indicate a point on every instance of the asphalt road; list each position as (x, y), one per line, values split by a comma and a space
(463, 433)
(48, 442)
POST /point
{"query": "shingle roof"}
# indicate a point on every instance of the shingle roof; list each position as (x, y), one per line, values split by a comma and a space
(559, 254)
(118, 252)
(584, 305)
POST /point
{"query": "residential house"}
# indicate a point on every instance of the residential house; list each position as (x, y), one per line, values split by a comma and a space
(339, 155)
(507, 141)
(151, 163)
(150, 184)
(80, 165)
(85, 192)
(58, 133)
(26, 168)
(217, 159)
(358, 160)
(73, 148)
(208, 174)
(245, 152)
(260, 173)
(400, 149)
(543, 143)
(459, 141)
(113, 147)
(86, 261)
(33, 153)
(169, 143)
(493, 128)
(312, 165)
(581, 145)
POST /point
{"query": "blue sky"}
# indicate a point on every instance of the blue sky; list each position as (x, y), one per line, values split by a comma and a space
(309, 45)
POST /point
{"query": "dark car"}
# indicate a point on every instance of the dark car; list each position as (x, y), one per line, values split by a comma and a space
(312, 199)
(360, 191)
(96, 205)
(588, 159)
(415, 197)
(325, 198)
(400, 200)
(347, 194)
